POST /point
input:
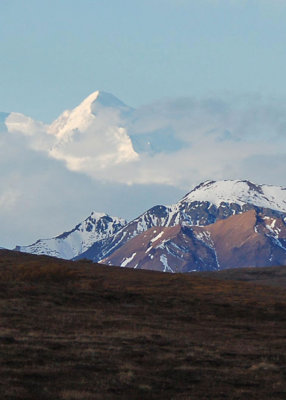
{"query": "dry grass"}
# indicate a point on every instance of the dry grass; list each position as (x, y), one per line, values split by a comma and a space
(76, 395)
(45, 273)
(264, 366)
(83, 331)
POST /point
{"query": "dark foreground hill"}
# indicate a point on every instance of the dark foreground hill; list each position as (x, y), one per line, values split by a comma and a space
(270, 276)
(75, 331)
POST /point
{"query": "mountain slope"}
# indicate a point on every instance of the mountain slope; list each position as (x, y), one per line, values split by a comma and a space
(250, 239)
(238, 192)
(155, 216)
(205, 204)
(94, 230)
(214, 200)
(205, 222)
(167, 249)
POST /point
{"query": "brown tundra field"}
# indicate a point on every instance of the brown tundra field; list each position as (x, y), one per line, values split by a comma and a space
(80, 331)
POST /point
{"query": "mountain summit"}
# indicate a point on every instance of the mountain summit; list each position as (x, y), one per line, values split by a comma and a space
(238, 192)
(93, 230)
(83, 115)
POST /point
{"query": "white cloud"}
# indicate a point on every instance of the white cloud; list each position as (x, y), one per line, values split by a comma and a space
(215, 136)
(219, 135)
(50, 182)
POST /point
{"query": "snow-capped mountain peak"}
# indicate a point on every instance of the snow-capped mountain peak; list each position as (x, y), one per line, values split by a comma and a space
(83, 115)
(98, 215)
(239, 192)
(94, 229)
(78, 118)
(92, 136)
(98, 226)
(108, 100)
(86, 103)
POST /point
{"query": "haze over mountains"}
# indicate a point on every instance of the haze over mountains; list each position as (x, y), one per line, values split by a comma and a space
(81, 160)
(218, 225)
(93, 136)
(103, 150)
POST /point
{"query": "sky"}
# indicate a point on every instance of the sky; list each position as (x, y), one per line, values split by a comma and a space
(206, 82)
(53, 54)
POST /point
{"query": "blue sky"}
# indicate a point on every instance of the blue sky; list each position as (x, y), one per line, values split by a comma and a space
(208, 73)
(54, 53)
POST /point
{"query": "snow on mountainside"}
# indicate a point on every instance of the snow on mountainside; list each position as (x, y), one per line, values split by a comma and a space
(95, 229)
(249, 239)
(205, 204)
(239, 192)
(92, 136)
(98, 133)
(166, 249)
(214, 200)
(84, 115)
(156, 216)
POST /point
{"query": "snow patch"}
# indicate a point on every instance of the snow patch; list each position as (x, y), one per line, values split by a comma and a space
(127, 260)
(164, 261)
(157, 237)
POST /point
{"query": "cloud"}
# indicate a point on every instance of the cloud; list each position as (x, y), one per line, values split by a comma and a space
(8, 199)
(218, 135)
(40, 197)
(182, 141)
(49, 183)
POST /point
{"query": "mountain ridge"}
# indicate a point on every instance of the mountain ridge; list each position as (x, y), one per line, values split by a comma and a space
(239, 192)
(192, 213)
(67, 245)
(249, 239)
(193, 218)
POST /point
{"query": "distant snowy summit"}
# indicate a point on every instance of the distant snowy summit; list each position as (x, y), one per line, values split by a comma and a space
(101, 131)
(84, 115)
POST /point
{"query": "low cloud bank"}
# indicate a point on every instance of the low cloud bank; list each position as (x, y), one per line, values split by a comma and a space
(166, 147)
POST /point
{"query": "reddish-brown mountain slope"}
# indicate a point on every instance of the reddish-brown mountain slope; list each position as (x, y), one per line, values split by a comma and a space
(168, 249)
(244, 240)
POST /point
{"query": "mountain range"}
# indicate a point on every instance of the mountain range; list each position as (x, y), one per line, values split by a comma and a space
(94, 229)
(101, 149)
(218, 225)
